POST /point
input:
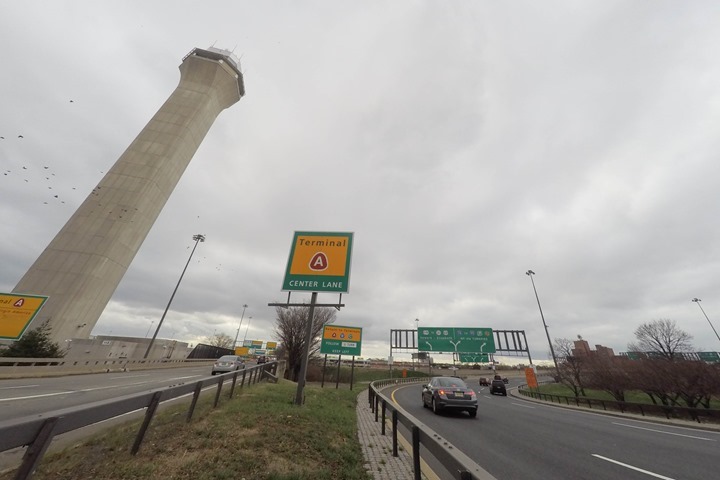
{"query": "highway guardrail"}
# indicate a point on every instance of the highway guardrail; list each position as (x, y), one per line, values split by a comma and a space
(459, 465)
(37, 431)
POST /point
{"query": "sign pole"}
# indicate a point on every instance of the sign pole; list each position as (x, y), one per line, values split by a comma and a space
(352, 371)
(337, 373)
(306, 351)
(322, 384)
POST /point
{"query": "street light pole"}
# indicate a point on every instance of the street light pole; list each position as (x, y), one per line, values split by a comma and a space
(238, 330)
(417, 355)
(198, 238)
(697, 300)
(246, 330)
(530, 274)
(148, 330)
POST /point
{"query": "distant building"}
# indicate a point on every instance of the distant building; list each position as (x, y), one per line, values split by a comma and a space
(582, 349)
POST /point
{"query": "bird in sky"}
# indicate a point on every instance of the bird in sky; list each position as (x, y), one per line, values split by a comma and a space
(20, 136)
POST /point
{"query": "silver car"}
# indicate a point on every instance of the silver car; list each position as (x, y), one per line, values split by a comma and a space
(449, 393)
(228, 363)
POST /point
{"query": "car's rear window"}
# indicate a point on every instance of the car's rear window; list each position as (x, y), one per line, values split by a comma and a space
(227, 358)
(451, 382)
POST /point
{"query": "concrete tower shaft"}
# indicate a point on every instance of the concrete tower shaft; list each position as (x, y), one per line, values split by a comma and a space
(83, 265)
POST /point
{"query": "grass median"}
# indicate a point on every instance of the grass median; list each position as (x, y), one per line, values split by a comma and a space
(258, 434)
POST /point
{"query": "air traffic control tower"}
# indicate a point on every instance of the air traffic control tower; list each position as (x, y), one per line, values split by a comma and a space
(83, 265)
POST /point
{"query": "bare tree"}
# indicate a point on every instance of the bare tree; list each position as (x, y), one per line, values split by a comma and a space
(611, 374)
(290, 327)
(661, 337)
(221, 340)
(571, 367)
(656, 377)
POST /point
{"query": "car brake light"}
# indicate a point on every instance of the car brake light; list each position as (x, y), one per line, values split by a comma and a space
(472, 393)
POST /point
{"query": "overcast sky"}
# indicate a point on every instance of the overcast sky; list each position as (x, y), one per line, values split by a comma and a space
(463, 142)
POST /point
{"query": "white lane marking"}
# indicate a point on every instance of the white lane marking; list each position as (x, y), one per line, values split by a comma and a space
(646, 472)
(521, 405)
(666, 433)
(33, 396)
(69, 392)
(487, 396)
(130, 376)
(19, 386)
(182, 378)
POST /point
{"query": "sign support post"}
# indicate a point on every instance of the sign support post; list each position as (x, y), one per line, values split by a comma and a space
(306, 351)
(337, 373)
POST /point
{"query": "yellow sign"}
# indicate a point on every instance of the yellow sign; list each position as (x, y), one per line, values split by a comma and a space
(16, 313)
(271, 345)
(242, 351)
(319, 262)
(342, 333)
(319, 255)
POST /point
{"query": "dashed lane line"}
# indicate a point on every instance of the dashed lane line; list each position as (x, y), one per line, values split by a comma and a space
(646, 472)
(666, 433)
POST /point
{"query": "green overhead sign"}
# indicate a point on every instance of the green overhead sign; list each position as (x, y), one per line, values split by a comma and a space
(460, 340)
(474, 358)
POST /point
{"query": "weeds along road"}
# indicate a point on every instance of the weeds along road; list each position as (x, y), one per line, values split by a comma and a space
(516, 439)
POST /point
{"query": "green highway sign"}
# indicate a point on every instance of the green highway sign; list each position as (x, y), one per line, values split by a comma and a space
(710, 357)
(460, 340)
(337, 340)
(474, 358)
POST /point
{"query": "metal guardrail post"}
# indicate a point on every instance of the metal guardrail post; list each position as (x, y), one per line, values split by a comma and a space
(196, 395)
(154, 402)
(377, 400)
(36, 450)
(395, 432)
(416, 452)
(242, 384)
(234, 381)
(219, 389)
(382, 427)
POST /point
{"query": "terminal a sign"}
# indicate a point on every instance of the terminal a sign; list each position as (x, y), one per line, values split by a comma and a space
(16, 313)
(319, 262)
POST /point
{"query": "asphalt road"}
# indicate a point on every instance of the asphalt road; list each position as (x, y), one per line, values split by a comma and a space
(29, 396)
(516, 439)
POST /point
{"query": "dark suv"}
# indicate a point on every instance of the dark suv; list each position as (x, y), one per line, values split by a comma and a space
(498, 386)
